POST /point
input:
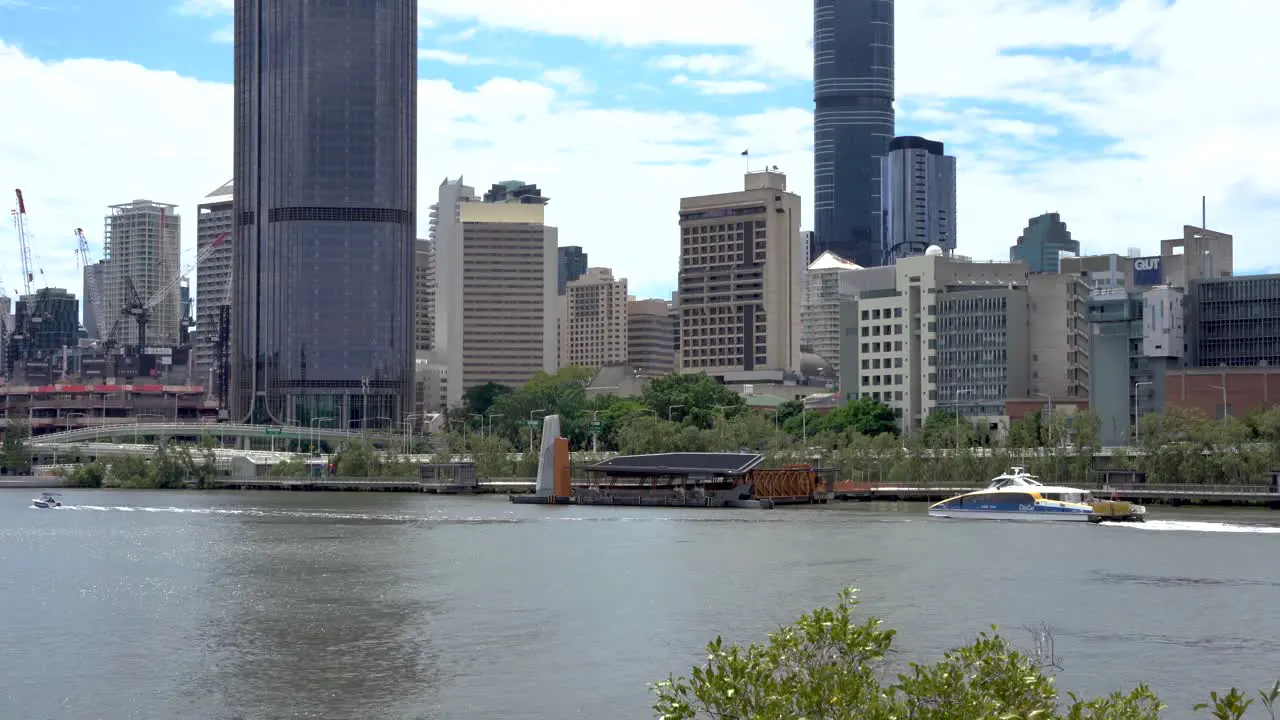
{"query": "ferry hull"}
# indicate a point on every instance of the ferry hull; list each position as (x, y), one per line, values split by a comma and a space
(1032, 516)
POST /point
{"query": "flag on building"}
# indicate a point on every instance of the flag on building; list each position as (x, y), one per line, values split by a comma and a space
(744, 153)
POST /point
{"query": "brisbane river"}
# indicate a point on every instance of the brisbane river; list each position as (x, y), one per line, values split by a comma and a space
(153, 604)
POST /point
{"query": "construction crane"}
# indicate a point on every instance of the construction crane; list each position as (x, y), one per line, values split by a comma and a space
(93, 288)
(24, 247)
(141, 311)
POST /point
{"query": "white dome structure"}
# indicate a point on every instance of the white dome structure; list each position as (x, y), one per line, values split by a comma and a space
(933, 251)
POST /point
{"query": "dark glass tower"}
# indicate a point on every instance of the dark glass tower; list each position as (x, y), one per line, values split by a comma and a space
(852, 124)
(325, 212)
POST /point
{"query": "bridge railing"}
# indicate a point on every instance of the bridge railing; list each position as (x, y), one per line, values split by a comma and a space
(1189, 488)
(204, 427)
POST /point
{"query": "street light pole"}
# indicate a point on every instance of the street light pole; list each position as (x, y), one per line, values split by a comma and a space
(364, 408)
(1049, 409)
(1223, 388)
(531, 414)
(1137, 438)
(955, 404)
(595, 434)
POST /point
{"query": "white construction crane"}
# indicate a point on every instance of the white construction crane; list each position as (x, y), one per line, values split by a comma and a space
(93, 288)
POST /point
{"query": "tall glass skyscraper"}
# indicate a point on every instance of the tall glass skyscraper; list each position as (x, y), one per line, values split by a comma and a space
(852, 124)
(325, 212)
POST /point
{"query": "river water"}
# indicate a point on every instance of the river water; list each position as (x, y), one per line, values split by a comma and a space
(152, 604)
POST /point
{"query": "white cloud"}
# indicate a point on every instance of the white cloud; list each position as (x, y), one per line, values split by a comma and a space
(568, 79)
(1190, 120)
(722, 87)
(449, 57)
(223, 36)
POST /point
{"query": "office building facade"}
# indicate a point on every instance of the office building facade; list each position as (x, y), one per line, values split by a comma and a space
(651, 348)
(740, 279)
(595, 320)
(853, 122)
(936, 332)
(918, 199)
(325, 211)
(572, 262)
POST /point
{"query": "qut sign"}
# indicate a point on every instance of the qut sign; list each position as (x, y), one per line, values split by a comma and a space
(1146, 271)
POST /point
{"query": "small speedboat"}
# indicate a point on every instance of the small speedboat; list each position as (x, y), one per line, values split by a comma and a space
(48, 500)
(1018, 495)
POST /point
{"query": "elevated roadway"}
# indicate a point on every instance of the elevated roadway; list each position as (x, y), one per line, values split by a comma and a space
(199, 429)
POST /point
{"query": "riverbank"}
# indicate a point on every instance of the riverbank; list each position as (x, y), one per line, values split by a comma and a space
(1146, 494)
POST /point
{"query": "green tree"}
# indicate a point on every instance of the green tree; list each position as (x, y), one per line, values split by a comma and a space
(91, 475)
(830, 665)
(478, 399)
(563, 394)
(356, 460)
(863, 416)
(695, 398)
(294, 467)
(15, 456)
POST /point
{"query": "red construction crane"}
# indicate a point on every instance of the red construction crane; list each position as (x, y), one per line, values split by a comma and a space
(24, 247)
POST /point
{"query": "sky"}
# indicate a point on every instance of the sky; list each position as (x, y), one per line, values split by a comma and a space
(1118, 114)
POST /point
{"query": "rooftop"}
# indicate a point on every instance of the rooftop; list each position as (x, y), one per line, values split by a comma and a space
(830, 261)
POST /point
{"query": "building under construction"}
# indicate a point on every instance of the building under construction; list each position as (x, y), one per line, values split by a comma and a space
(142, 243)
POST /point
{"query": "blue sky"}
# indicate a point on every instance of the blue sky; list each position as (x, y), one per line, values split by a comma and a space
(1076, 107)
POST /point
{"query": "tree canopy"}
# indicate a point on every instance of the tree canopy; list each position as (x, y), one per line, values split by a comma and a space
(830, 665)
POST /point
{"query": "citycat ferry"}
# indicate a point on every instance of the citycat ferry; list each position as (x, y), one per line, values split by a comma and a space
(1017, 495)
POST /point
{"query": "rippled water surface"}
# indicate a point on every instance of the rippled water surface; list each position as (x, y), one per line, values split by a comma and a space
(350, 605)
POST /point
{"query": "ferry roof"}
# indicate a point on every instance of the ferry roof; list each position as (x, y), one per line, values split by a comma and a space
(679, 464)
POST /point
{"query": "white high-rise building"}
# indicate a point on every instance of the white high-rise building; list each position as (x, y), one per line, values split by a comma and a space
(740, 279)
(918, 198)
(496, 270)
(142, 242)
(595, 320)
(213, 274)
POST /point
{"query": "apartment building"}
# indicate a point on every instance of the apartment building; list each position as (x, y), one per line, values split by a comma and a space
(424, 294)
(213, 273)
(740, 279)
(651, 348)
(594, 333)
(820, 307)
(936, 332)
(497, 266)
(142, 243)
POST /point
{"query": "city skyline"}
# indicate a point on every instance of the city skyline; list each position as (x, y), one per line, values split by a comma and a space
(1116, 99)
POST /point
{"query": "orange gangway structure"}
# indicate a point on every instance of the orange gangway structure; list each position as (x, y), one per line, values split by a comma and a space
(788, 484)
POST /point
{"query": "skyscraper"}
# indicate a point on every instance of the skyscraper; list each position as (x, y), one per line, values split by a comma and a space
(1042, 243)
(918, 196)
(325, 213)
(213, 275)
(852, 124)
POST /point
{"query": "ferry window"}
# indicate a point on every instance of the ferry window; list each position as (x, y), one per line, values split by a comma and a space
(1051, 496)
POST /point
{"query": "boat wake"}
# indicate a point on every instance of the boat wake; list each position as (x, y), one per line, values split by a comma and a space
(1205, 527)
